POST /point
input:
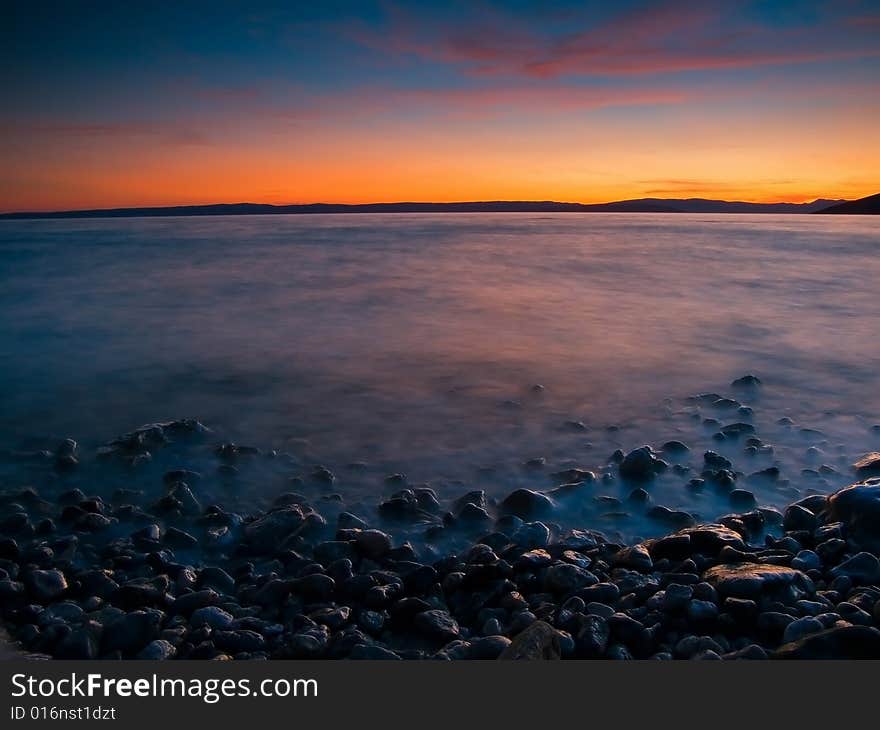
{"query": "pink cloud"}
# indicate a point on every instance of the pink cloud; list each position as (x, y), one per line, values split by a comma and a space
(668, 37)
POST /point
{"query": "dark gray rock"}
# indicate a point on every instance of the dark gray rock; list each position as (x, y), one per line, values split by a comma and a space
(860, 568)
(269, 532)
(841, 642)
(565, 578)
(158, 650)
(868, 465)
(539, 641)
(45, 585)
(641, 465)
(636, 557)
(526, 504)
(748, 580)
(437, 624)
(858, 508)
(241, 640)
(131, 632)
(212, 616)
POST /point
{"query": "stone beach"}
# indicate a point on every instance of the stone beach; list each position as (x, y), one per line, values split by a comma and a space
(191, 568)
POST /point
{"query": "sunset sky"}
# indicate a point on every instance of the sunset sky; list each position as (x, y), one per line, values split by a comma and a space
(123, 104)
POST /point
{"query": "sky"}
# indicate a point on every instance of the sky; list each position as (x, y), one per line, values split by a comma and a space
(108, 104)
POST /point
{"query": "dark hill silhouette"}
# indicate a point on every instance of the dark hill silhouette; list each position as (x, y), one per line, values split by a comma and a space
(641, 205)
(863, 206)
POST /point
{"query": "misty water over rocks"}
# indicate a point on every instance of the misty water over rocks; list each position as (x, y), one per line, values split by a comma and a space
(459, 350)
(446, 379)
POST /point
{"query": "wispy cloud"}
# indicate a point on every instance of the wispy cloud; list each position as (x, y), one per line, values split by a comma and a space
(656, 38)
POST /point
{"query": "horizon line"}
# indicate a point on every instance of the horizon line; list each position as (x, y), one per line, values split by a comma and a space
(494, 201)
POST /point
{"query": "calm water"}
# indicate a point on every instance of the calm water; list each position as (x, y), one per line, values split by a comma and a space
(412, 342)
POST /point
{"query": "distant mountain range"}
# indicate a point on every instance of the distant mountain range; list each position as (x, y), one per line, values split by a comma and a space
(862, 206)
(641, 205)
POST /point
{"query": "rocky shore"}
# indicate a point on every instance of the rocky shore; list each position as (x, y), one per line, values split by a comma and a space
(167, 574)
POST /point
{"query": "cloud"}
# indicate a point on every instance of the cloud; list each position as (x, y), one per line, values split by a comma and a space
(170, 133)
(655, 38)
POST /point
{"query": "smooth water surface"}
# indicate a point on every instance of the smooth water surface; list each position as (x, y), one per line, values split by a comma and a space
(413, 342)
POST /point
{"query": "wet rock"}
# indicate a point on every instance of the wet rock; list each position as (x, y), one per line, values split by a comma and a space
(574, 476)
(674, 518)
(746, 382)
(868, 465)
(735, 430)
(539, 641)
(806, 560)
(860, 568)
(373, 544)
(239, 641)
(742, 499)
(269, 532)
(437, 624)
(841, 642)
(488, 647)
(212, 616)
(699, 611)
(676, 597)
(714, 460)
(636, 557)
(675, 447)
(748, 580)
(800, 628)
(565, 578)
(186, 603)
(858, 507)
(531, 535)
(131, 632)
(631, 633)
(797, 517)
(641, 465)
(526, 504)
(217, 579)
(158, 650)
(179, 539)
(45, 585)
(79, 644)
(315, 587)
(704, 539)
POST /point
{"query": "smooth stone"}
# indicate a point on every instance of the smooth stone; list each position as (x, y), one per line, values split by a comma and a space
(45, 585)
(268, 532)
(539, 641)
(241, 640)
(565, 578)
(858, 508)
(746, 382)
(797, 517)
(437, 623)
(641, 465)
(526, 504)
(868, 465)
(488, 647)
(212, 616)
(806, 560)
(131, 632)
(840, 642)
(748, 580)
(635, 557)
(800, 628)
(158, 650)
(860, 568)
